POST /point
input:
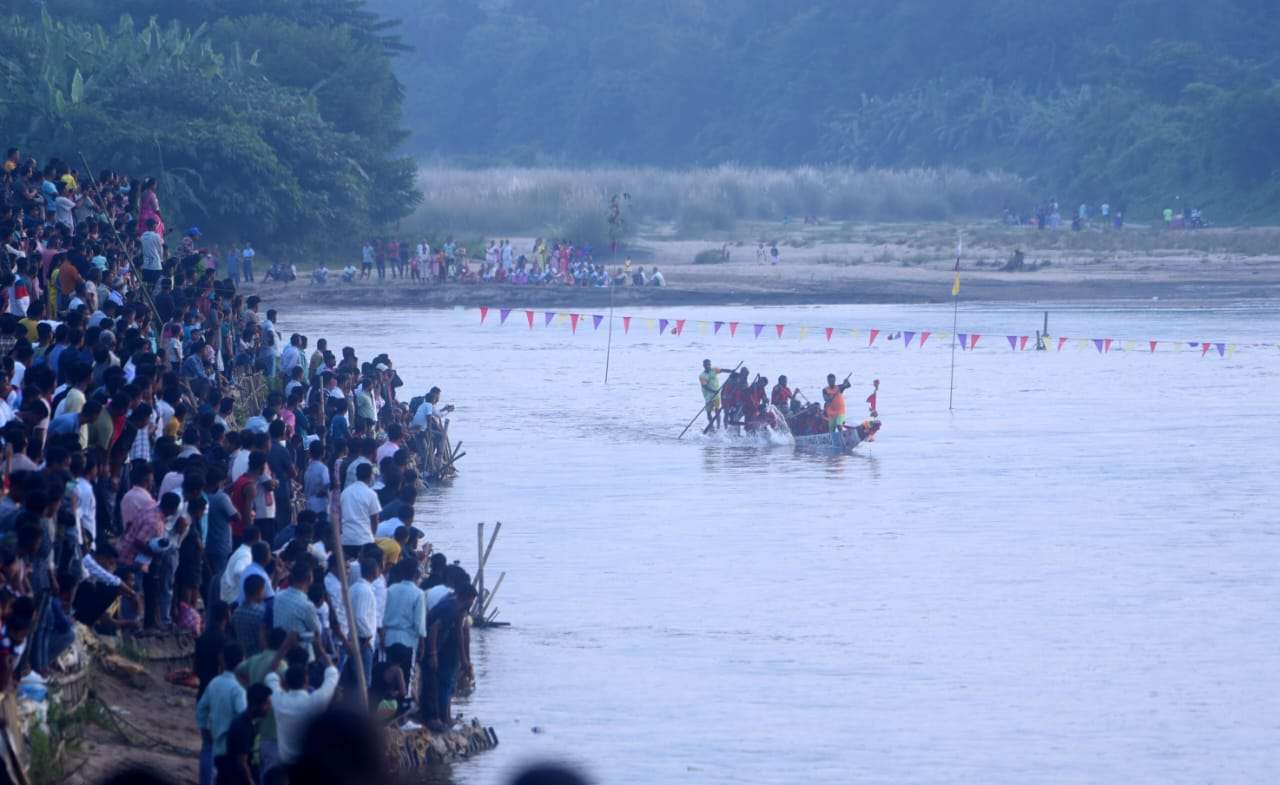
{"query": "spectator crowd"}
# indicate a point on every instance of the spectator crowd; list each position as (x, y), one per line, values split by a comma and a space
(173, 464)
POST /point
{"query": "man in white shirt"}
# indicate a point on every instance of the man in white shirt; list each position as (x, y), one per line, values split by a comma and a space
(247, 255)
(364, 606)
(85, 468)
(242, 557)
(360, 508)
(293, 706)
(152, 253)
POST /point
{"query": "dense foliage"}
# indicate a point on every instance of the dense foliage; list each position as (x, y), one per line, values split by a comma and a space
(273, 122)
(1133, 101)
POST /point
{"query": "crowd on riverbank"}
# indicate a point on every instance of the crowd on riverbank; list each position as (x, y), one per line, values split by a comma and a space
(173, 463)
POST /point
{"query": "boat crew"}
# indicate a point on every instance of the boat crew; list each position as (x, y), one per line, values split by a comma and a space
(833, 396)
(709, 380)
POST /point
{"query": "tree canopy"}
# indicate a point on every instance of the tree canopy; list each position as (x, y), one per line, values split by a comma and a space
(273, 122)
(1128, 100)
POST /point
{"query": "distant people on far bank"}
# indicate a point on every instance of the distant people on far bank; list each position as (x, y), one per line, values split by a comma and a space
(1106, 216)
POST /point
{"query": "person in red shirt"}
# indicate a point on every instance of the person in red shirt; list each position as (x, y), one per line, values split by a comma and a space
(783, 396)
(243, 492)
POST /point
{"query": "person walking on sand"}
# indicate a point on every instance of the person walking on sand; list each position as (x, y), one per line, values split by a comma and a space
(773, 254)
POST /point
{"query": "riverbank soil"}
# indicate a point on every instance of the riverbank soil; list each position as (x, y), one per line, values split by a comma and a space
(881, 263)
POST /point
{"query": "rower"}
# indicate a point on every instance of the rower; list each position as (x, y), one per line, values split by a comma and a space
(709, 380)
(755, 399)
(734, 396)
(784, 397)
(833, 395)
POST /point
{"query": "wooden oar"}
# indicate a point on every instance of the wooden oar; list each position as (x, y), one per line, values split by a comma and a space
(703, 410)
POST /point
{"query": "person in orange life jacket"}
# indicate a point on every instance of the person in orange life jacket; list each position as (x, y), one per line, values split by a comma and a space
(833, 395)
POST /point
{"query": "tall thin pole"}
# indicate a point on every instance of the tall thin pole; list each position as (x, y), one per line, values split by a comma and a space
(609, 347)
(955, 321)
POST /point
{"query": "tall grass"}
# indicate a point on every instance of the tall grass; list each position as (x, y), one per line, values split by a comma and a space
(574, 202)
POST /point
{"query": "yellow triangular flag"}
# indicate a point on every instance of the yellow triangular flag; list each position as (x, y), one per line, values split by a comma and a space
(1082, 344)
(1231, 349)
(1128, 345)
(703, 326)
(941, 337)
(1177, 346)
(803, 332)
(650, 323)
(853, 333)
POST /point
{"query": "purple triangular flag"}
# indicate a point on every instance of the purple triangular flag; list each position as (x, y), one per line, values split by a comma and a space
(964, 340)
(758, 329)
(547, 317)
(1193, 344)
(595, 321)
(718, 325)
(907, 335)
(1097, 344)
(503, 314)
(662, 326)
(1221, 347)
(1013, 342)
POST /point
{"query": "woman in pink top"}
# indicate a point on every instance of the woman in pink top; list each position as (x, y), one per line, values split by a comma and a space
(149, 207)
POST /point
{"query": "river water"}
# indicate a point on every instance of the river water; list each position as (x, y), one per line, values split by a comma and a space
(1071, 578)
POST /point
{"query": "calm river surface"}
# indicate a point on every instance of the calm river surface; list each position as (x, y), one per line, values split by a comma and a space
(1072, 578)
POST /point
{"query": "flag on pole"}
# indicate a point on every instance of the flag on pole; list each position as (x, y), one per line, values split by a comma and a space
(955, 285)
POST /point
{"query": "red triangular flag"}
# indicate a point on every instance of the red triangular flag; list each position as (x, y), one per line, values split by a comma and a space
(1106, 345)
(1062, 340)
(973, 339)
(1153, 344)
(733, 329)
(830, 330)
(779, 328)
(679, 327)
(529, 316)
(924, 336)
(484, 311)
(1204, 348)
(626, 324)
(1022, 343)
(874, 333)
(573, 322)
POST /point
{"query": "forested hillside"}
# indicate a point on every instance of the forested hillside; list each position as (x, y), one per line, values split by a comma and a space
(1128, 100)
(278, 122)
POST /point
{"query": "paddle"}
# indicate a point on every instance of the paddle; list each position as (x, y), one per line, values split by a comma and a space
(703, 409)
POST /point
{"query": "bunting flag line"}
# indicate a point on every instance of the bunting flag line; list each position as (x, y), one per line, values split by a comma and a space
(967, 341)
